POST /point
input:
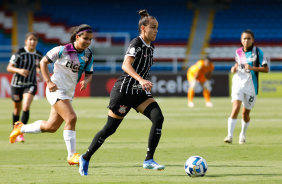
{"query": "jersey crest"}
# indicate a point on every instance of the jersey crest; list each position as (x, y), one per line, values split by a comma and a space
(122, 109)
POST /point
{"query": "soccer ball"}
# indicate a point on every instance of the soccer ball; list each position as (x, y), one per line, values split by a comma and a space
(196, 166)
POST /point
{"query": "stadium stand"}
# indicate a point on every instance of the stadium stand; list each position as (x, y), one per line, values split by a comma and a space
(52, 23)
(5, 36)
(53, 19)
(263, 17)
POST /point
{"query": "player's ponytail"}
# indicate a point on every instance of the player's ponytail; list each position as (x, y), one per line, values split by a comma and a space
(144, 20)
(79, 30)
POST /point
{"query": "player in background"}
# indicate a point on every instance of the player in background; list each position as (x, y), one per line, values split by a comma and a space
(70, 61)
(132, 90)
(25, 65)
(249, 62)
(200, 73)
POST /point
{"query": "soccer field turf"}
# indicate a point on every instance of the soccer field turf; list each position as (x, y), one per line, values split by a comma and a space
(186, 132)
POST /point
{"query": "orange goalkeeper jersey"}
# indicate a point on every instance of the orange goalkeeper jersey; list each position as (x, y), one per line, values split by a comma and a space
(201, 69)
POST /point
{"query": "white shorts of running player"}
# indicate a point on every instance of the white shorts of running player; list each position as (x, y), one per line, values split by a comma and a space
(53, 97)
(248, 101)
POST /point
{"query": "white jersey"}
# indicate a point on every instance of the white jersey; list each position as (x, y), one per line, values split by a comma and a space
(68, 67)
(244, 80)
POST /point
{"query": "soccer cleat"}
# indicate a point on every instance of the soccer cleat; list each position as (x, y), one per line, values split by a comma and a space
(242, 140)
(151, 164)
(228, 139)
(74, 159)
(83, 166)
(191, 104)
(16, 131)
(209, 104)
(20, 138)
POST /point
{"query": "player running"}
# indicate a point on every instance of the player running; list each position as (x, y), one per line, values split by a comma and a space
(200, 73)
(249, 62)
(70, 61)
(132, 90)
(25, 65)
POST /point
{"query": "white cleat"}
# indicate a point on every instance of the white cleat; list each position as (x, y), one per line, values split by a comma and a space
(228, 139)
(209, 104)
(242, 140)
(191, 104)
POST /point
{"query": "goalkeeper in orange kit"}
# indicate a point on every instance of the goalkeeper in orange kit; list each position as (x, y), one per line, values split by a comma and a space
(200, 73)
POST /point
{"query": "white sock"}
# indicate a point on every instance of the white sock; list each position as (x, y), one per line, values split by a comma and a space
(33, 128)
(70, 139)
(244, 128)
(231, 126)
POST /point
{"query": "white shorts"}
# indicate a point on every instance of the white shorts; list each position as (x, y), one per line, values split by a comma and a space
(53, 97)
(248, 101)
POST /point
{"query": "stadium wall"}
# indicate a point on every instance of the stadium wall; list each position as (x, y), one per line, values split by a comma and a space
(164, 85)
(270, 85)
(101, 85)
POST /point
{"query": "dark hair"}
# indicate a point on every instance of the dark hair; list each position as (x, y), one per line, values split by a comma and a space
(31, 33)
(248, 31)
(144, 20)
(79, 30)
(207, 57)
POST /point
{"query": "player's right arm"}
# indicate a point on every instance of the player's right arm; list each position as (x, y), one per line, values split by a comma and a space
(11, 66)
(45, 73)
(234, 68)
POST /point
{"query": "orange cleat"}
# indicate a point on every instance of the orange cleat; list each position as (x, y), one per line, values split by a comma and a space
(74, 159)
(16, 131)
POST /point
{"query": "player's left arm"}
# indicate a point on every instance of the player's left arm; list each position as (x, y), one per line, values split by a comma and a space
(263, 64)
(87, 79)
(88, 74)
(40, 77)
(209, 73)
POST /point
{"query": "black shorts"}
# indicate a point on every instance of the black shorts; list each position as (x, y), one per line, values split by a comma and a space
(17, 92)
(121, 103)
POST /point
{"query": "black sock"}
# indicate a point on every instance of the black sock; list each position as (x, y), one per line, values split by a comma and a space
(25, 117)
(110, 128)
(15, 119)
(154, 113)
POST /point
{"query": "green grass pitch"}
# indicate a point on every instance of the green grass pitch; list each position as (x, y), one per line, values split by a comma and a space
(186, 132)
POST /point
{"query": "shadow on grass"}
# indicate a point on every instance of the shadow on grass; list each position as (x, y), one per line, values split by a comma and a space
(223, 166)
(238, 174)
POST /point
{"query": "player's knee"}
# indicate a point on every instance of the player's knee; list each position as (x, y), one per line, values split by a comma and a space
(193, 84)
(108, 131)
(246, 117)
(154, 113)
(71, 119)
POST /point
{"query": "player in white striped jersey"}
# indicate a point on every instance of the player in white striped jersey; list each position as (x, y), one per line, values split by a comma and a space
(249, 62)
(70, 61)
(25, 66)
(132, 90)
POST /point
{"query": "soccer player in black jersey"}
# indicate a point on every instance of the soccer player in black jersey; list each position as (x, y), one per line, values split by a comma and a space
(132, 90)
(25, 65)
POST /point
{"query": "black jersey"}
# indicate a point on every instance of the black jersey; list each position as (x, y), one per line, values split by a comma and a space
(143, 54)
(25, 60)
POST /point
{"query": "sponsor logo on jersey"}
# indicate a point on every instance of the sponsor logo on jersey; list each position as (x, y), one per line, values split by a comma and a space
(122, 109)
(136, 86)
(84, 58)
(73, 67)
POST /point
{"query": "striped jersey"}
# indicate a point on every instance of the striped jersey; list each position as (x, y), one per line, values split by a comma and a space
(25, 60)
(69, 64)
(143, 60)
